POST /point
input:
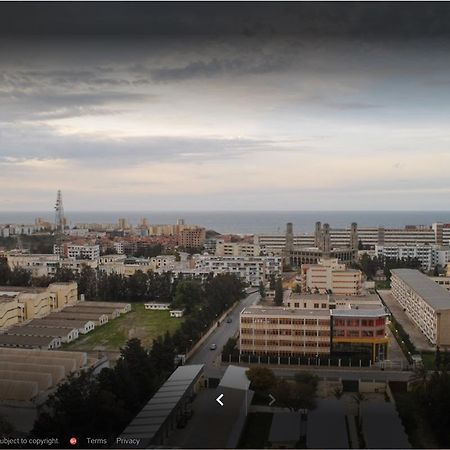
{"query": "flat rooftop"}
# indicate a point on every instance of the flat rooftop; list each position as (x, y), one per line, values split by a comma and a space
(432, 293)
(282, 311)
(356, 312)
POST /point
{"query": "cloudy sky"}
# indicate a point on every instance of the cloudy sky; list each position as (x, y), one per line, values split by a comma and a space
(213, 109)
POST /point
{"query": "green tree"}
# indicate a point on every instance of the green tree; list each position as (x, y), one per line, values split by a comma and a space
(188, 296)
(262, 290)
(5, 271)
(262, 379)
(20, 277)
(278, 292)
(63, 275)
(87, 282)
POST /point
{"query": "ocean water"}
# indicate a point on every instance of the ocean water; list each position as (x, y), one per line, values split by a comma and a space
(246, 222)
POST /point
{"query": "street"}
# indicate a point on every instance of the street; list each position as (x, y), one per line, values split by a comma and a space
(220, 336)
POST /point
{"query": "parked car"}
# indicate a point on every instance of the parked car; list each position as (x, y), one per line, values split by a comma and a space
(213, 346)
(229, 320)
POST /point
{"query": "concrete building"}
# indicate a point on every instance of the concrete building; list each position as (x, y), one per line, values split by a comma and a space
(76, 251)
(9, 311)
(278, 331)
(192, 238)
(252, 270)
(357, 332)
(425, 302)
(429, 255)
(236, 249)
(436, 233)
(316, 324)
(330, 276)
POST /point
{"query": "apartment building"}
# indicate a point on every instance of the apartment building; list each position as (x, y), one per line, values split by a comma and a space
(330, 276)
(236, 249)
(76, 251)
(192, 237)
(437, 233)
(425, 302)
(429, 255)
(37, 264)
(252, 270)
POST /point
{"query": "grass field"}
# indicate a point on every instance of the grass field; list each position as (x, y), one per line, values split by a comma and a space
(139, 323)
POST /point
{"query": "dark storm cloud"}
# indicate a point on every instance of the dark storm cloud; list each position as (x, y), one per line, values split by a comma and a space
(356, 19)
(217, 67)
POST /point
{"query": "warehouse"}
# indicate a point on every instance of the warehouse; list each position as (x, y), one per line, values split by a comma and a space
(83, 326)
(41, 342)
(65, 334)
(111, 312)
(26, 373)
(97, 318)
(124, 307)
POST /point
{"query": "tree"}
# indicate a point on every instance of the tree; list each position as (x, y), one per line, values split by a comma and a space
(188, 296)
(87, 282)
(20, 277)
(295, 396)
(272, 282)
(262, 379)
(262, 290)
(278, 292)
(5, 271)
(64, 275)
(437, 358)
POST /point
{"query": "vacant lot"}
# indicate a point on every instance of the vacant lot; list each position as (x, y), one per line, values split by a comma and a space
(139, 323)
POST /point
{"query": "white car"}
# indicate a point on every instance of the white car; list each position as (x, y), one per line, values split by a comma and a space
(213, 346)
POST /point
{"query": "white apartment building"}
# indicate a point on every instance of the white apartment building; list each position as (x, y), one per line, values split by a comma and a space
(428, 255)
(330, 276)
(74, 251)
(425, 302)
(252, 270)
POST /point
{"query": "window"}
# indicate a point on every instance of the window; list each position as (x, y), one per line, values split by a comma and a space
(316, 305)
(324, 305)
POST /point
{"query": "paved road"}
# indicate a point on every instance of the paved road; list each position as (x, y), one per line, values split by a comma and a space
(204, 355)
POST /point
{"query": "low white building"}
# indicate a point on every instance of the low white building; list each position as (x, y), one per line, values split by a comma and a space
(157, 306)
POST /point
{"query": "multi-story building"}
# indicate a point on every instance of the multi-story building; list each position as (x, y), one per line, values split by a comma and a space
(252, 270)
(330, 276)
(192, 238)
(236, 249)
(317, 324)
(31, 303)
(359, 331)
(437, 233)
(76, 251)
(425, 302)
(284, 332)
(429, 255)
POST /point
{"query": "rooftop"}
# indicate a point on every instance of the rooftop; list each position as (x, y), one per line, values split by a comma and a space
(432, 293)
(356, 312)
(281, 311)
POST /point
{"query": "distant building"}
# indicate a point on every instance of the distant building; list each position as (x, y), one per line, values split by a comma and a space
(192, 238)
(75, 251)
(236, 249)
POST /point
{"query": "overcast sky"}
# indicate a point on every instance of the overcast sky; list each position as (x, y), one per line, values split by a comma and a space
(252, 120)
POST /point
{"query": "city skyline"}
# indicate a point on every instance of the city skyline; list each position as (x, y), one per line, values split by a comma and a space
(254, 120)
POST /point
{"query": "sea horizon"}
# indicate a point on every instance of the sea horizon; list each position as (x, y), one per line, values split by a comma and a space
(244, 222)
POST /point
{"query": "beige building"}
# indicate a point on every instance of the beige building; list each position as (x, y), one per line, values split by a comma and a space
(9, 311)
(33, 303)
(330, 276)
(284, 331)
(192, 238)
(236, 249)
(425, 302)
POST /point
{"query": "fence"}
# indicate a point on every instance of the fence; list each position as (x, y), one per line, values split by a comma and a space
(297, 361)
